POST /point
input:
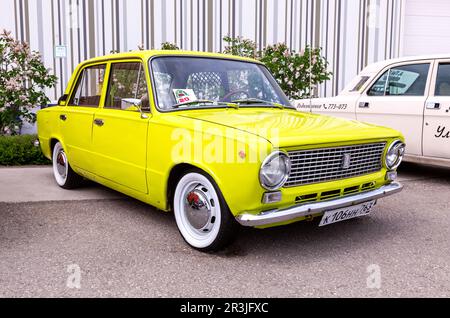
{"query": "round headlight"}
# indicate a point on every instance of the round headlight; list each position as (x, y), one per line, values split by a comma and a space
(275, 170)
(394, 154)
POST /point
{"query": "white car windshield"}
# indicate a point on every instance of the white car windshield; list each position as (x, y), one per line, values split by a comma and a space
(201, 82)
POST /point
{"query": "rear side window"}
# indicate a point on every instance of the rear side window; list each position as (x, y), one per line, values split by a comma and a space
(443, 80)
(406, 80)
(89, 86)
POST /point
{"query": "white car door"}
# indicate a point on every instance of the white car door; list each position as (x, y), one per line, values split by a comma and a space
(397, 98)
(436, 129)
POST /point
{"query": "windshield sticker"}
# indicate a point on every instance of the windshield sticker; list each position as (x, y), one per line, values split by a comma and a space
(184, 95)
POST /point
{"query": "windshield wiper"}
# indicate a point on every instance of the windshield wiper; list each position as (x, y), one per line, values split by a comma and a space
(258, 101)
(206, 101)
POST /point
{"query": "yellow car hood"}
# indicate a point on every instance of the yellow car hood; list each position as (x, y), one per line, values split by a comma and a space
(286, 128)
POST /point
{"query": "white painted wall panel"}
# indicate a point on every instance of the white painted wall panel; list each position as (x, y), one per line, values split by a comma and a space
(342, 28)
(426, 27)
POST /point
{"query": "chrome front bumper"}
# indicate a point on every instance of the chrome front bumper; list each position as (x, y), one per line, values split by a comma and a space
(277, 215)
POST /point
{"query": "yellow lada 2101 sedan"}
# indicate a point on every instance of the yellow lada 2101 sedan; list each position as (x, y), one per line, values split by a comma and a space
(214, 139)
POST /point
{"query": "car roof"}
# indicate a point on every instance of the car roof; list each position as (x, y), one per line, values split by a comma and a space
(146, 54)
(375, 67)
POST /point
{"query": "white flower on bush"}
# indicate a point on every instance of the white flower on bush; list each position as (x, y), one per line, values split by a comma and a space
(6, 130)
(23, 79)
(291, 70)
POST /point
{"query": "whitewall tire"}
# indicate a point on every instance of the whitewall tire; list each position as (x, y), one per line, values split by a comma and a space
(65, 177)
(202, 216)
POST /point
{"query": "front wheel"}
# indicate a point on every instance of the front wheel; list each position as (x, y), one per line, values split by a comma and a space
(202, 216)
(64, 175)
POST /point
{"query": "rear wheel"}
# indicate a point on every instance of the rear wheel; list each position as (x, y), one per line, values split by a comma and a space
(64, 175)
(202, 216)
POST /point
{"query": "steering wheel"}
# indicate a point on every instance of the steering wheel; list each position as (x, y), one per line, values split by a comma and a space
(238, 91)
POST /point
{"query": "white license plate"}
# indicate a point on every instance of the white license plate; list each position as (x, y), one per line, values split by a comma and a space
(346, 213)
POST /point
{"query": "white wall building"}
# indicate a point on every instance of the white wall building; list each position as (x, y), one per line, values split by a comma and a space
(352, 33)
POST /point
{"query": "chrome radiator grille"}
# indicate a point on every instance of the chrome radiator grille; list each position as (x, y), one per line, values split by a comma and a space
(328, 164)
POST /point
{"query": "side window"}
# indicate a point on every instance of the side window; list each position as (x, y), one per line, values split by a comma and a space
(378, 88)
(126, 86)
(89, 87)
(443, 80)
(406, 80)
(361, 82)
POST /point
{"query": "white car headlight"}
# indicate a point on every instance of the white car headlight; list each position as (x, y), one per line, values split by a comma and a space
(275, 170)
(394, 154)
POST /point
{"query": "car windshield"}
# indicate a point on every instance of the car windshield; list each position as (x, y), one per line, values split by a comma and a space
(197, 82)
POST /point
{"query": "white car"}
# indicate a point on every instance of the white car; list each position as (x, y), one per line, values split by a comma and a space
(409, 94)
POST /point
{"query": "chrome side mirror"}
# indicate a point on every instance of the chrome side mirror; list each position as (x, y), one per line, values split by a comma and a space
(137, 103)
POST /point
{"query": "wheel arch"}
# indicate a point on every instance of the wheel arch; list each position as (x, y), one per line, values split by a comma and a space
(180, 170)
(53, 141)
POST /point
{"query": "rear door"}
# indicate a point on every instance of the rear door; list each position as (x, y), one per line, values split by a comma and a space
(436, 129)
(76, 118)
(397, 98)
(120, 130)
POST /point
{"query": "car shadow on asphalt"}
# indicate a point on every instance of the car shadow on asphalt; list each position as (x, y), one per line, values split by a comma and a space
(414, 171)
(304, 238)
(301, 237)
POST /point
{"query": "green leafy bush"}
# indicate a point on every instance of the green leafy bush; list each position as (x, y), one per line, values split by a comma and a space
(23, 80)
(241, 47)
(20, 150)
(298, 74)
(169, 46)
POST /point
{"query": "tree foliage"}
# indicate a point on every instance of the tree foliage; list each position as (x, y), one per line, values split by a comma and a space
(23, 80)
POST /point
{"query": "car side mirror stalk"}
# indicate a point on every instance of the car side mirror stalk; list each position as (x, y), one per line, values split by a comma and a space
(137, 103)
(62, 100)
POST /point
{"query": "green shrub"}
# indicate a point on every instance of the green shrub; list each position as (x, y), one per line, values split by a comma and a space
(241, 47)
(23, 79)
(169, 46)
(20, 150)
(298, 73)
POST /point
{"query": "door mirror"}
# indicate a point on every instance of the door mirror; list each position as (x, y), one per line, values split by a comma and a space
(134, 104)
(132, 101)
(62, 100)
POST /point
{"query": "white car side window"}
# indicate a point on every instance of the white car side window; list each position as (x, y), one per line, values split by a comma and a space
(406, 80)
(443, 80)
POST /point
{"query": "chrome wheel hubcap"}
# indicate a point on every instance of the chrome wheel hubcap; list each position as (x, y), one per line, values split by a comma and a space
(61, 163)
(198, 208)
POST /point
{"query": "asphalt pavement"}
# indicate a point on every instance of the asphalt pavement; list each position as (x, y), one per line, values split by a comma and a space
(94, 242)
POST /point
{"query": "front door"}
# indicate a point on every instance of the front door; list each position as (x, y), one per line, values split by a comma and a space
(436, 129)
(77, 117)
(397, 100)
(120, 130)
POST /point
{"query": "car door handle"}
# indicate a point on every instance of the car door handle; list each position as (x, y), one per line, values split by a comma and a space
(363, 105)
(433, 105)
(99, 122)
(63, 117)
